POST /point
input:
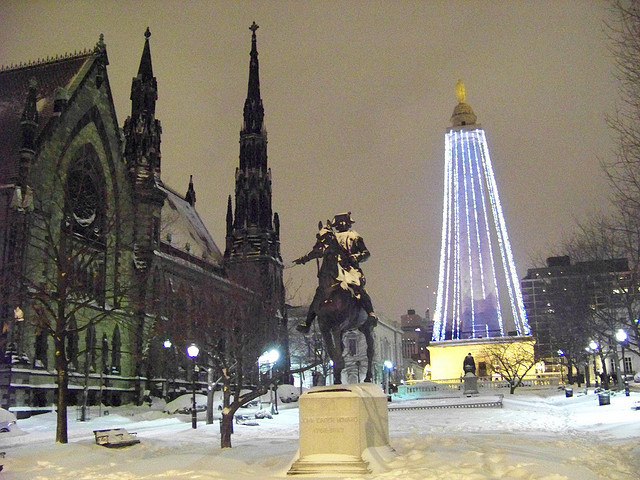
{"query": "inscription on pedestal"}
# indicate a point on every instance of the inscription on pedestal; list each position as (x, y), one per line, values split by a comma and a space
(344, 422)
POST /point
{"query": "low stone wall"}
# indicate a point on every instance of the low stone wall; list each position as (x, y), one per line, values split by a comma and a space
(428, 388)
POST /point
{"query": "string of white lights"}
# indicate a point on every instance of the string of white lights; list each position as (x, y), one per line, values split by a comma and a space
(444, 270)
(467, 262)
(483, 174)
(515, 294)
(465, 162)
(455, 313)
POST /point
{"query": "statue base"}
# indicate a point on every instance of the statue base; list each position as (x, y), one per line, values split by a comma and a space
(344, 430)
(470, 384)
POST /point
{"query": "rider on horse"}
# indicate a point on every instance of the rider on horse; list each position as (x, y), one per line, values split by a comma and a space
(354, 252)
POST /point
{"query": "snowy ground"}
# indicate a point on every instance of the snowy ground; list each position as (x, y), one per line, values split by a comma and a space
(541, 435)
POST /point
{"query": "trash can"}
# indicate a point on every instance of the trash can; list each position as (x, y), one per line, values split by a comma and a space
(604, 398)
(568, 392)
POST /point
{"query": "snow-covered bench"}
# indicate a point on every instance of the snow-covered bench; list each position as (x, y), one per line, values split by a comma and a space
(115, 437)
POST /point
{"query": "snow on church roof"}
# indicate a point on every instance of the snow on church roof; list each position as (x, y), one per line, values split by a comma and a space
(183, 229)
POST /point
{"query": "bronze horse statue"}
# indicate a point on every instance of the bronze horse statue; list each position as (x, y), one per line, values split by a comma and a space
(336, 307)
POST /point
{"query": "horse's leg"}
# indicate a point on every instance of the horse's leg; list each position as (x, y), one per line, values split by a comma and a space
(338, 361)
(366, 330)
(327, 337)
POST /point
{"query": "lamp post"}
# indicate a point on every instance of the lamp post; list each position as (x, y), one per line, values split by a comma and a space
(592, 349)
(560, 355)
(270, 358)
(388, 366)
(192, 352)
(621, 337)
(167, 345)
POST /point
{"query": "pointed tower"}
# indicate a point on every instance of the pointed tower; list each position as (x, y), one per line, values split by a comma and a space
(252, 233)
(478, 292)
(142, 155)
(252, 254)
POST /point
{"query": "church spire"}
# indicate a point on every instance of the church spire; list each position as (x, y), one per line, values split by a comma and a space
(142, 131)
(250, 229)
(253, 109)
(145, 71)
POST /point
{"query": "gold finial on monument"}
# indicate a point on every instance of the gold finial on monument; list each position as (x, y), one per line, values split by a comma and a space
(460, 92)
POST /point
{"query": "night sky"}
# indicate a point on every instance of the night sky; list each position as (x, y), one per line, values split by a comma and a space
(357, 99)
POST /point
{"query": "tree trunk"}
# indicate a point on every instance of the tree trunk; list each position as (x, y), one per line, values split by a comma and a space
(226, 422)
(63, 383)
(226, 428)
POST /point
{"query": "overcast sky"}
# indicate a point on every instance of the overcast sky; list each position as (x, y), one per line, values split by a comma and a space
(357, 99)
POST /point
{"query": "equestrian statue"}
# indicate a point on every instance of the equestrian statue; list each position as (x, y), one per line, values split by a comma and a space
(341, 302)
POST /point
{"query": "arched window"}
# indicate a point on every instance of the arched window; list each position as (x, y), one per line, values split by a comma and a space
(85, 222)
(85, 196)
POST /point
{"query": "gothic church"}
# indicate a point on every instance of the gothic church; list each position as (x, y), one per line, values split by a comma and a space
(101, 260)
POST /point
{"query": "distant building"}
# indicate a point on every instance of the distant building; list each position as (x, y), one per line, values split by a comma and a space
(387, 347)
(563, 288)
(416, 333)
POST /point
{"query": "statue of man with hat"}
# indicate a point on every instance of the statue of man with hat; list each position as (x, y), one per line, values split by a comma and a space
(355, 252)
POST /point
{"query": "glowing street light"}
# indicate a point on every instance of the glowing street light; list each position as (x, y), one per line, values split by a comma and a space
(621, 337)
(269, 358)
(165, 387)
(561, 354)
(192, 352)
(388, 366)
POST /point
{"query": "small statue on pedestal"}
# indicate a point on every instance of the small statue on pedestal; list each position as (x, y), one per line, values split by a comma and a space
(469, 364)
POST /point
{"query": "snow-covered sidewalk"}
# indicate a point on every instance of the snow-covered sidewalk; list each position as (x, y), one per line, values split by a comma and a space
(534, 436)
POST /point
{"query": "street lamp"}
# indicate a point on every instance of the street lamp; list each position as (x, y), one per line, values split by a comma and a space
(192, 352)
(388, 366)
(592, 349)
(621, 337)
(167, 345)
(561, 354)
(270, 358)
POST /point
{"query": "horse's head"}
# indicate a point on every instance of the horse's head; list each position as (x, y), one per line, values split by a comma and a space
(325, 237)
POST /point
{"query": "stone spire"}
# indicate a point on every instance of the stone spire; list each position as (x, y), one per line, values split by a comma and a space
(252, 231)
(191, 192)
(253, 109)
(142, 131)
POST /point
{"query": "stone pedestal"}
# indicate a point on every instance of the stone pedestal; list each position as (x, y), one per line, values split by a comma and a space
(470, 384)
(342, 429)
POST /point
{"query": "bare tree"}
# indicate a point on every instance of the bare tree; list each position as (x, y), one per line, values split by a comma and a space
(230, 326)
(71, 276)
(511, 360)
(624, 169)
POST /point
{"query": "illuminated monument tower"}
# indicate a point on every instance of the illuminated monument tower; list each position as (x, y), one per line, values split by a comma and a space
(477, 272)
